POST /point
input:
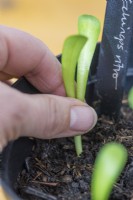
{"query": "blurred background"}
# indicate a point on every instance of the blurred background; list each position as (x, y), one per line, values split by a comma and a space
(51, 21)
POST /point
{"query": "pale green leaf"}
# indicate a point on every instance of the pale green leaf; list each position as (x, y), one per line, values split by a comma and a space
(130, 98)
(108, 166)
(71, 50)
(88, 26)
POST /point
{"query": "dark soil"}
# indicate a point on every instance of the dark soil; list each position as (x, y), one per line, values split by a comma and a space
(54, 172)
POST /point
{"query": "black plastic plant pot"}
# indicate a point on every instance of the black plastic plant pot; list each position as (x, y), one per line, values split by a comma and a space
(14, 155)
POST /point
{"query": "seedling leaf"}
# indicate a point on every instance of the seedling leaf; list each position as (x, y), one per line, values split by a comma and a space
(71, 50)
(130, 98)
(88, 26)
(107, 168)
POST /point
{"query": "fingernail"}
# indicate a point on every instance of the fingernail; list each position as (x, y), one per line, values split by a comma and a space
(83, 118)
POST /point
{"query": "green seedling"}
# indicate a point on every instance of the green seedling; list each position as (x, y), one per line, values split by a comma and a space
(78, 50)
(70, 55)
(130, 98)
(107, 168)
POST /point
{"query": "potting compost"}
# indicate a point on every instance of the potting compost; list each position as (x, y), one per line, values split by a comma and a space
(54, 172)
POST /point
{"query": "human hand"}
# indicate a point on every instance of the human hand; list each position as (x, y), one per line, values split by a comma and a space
(48, 115)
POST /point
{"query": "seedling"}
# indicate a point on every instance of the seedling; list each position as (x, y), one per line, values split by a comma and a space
(78, 51)
(130, 98)
(107, 168)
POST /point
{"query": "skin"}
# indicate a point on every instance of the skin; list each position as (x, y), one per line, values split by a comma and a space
(48, 115)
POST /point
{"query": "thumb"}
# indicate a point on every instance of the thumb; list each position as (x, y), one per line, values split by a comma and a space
(41, 116)
(52, 116)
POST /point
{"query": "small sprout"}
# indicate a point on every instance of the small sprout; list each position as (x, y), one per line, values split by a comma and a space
(107, 168)
(130, 98)
(79, 49)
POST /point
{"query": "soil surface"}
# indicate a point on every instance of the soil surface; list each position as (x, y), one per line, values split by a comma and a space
(54, 172)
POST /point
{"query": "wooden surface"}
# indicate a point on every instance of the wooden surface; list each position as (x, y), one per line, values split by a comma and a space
(2, 195)
(51, 21)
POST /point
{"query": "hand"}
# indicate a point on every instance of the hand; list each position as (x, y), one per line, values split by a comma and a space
(48, 115)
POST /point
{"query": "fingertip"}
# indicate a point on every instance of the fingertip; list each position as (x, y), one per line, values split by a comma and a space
(83, 118)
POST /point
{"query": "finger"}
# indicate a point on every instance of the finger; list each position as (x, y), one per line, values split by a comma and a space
(42, 116)
(59, 117)
(22, 54)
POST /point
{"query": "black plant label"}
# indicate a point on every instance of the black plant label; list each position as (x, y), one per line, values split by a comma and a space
(114, 55)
